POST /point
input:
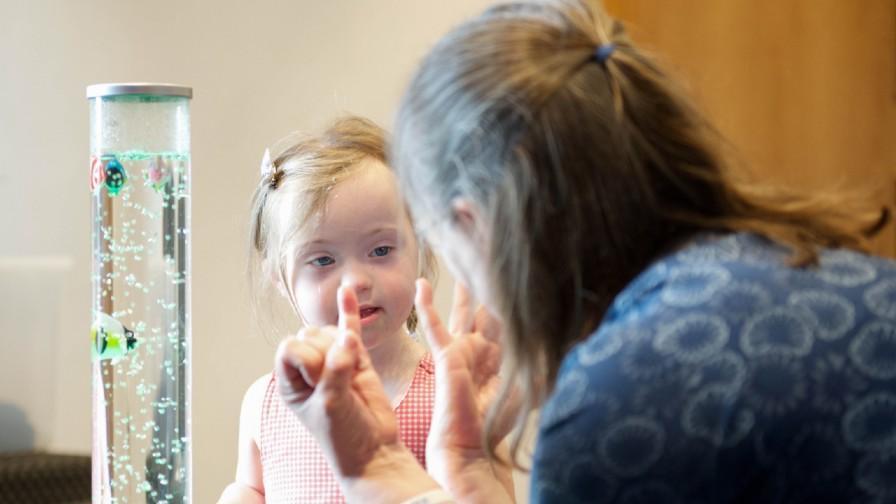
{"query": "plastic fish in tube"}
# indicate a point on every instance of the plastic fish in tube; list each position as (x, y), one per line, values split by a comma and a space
(115, 176)
(110, 338)
(97, 173)
(157, 174)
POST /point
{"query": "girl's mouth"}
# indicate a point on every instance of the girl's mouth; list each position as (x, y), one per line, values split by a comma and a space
(369, 314)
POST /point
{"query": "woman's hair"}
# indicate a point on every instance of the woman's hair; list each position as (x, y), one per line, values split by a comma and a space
(585, 169)
(295, 188)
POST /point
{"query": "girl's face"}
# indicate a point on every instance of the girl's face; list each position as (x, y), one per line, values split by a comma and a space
(363, 239)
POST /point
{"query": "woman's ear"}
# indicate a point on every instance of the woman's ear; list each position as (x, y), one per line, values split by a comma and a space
(466, 218)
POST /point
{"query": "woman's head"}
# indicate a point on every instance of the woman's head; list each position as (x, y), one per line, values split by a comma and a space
(570, 172)
(327, 212)
(573, 167)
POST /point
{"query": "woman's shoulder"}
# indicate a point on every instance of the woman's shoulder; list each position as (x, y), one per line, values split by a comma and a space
(719, 347)
(712, 312)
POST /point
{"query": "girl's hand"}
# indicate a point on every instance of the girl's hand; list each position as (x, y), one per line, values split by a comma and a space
(326, 378)
(467, 359)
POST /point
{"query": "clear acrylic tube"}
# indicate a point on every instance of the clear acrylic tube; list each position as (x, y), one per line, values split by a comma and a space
(139, 182)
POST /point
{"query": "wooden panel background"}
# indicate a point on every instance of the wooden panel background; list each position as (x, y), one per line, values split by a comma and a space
(804, 89)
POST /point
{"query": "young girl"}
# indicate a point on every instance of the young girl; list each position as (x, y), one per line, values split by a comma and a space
(327, 213)
(688, 337)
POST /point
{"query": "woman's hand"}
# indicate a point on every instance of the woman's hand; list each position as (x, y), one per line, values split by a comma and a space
(326, 378)
(467, 359)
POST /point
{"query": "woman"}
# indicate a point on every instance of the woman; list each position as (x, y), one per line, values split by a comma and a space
(689, 337)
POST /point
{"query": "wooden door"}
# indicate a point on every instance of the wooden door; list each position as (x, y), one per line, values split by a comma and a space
(804, 89)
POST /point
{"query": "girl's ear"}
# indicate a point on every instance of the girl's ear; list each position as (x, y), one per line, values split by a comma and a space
(278, 282)
(280, 279)
(277, 279)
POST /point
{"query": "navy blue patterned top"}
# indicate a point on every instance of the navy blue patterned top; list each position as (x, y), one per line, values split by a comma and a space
(722, 375)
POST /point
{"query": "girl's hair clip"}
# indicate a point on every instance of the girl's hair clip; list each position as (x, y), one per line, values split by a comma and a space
(270, 174)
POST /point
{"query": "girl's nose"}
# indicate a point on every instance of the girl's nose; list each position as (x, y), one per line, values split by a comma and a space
(357, 277)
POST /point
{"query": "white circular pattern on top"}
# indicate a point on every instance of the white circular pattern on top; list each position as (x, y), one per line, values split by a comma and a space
(881, 298)
(632, 445)
(846, 269)
(600, 347)
(711, 415)
(741, 299)
(873, 350)
(776, 384)
(835, 383)
(568, 396)
(724, 368)
(640, 361)
(834, 315)
(693, 285)
(693, 337)
(579, 470)
(777, 331)
(723, 249)
(870, 424)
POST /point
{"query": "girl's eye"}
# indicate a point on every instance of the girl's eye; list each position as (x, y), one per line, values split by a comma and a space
(322, 261)
(381, 251)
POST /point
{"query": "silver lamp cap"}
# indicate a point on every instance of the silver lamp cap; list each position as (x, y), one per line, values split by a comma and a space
(138, 88)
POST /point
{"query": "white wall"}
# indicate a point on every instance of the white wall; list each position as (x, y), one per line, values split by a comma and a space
(259, 70)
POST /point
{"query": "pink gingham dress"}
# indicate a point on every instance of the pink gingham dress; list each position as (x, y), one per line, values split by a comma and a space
(294, 468)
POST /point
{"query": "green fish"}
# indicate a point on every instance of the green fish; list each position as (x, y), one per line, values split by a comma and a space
(110, 338)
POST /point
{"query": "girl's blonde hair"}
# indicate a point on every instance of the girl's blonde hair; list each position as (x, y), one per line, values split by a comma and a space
(295, 188)
(586, 169)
